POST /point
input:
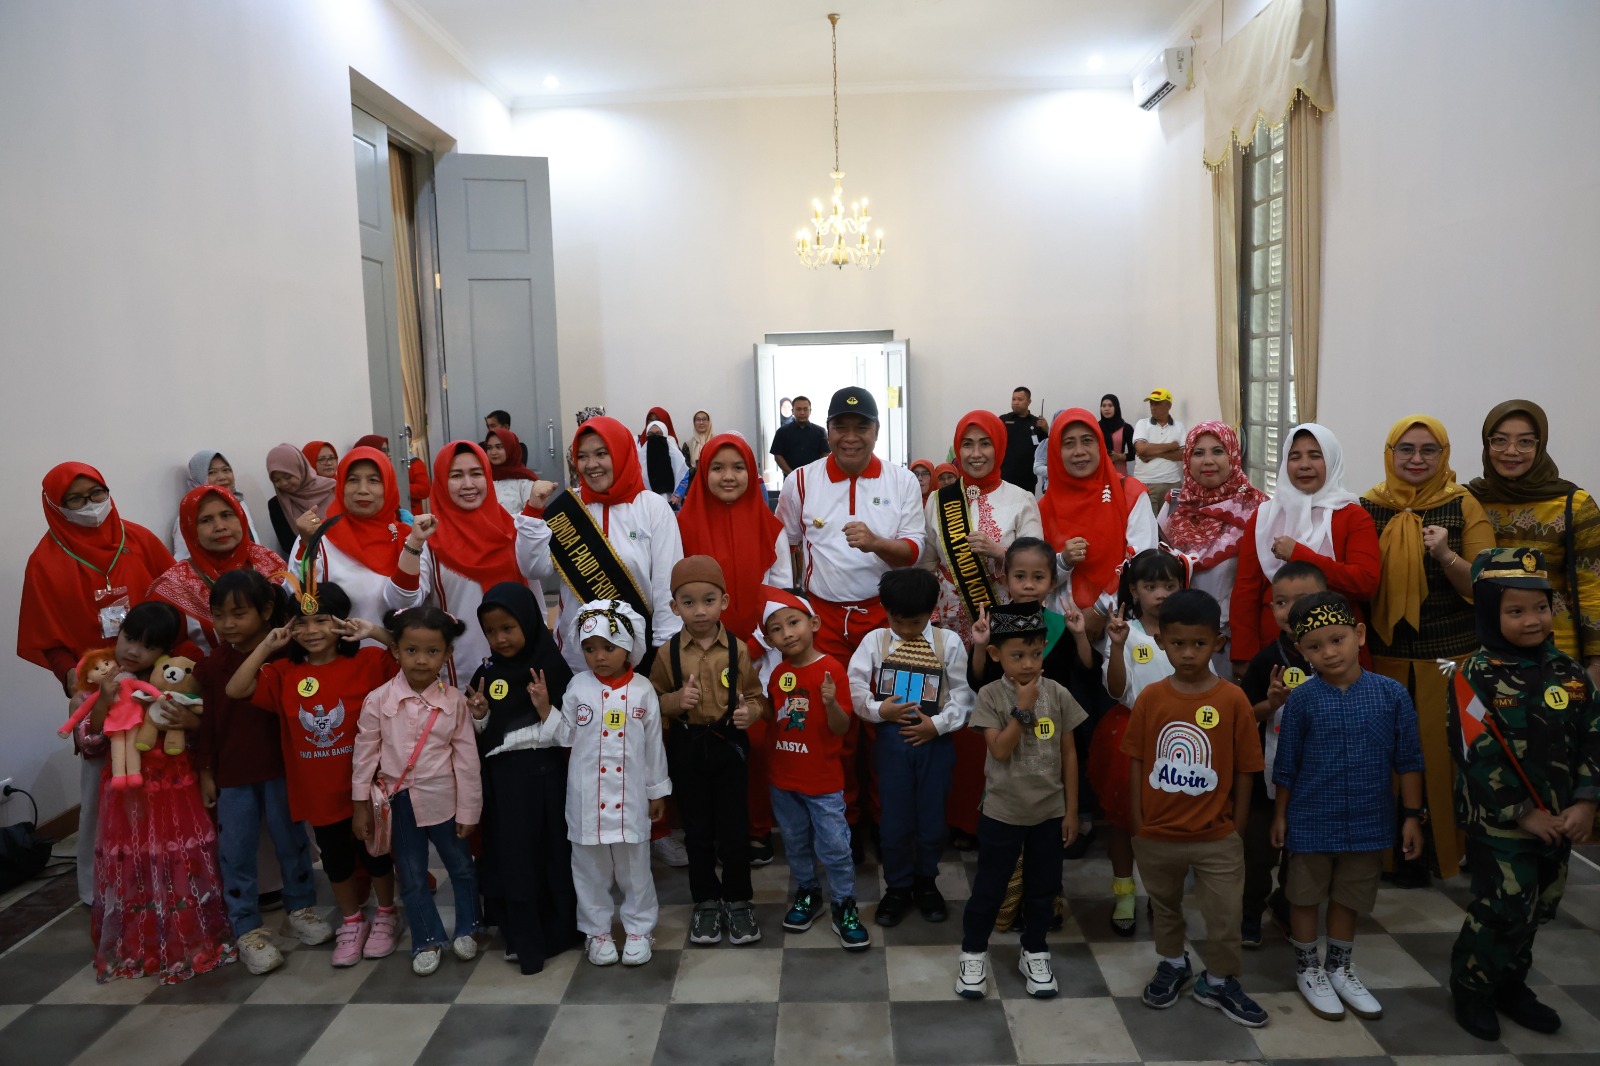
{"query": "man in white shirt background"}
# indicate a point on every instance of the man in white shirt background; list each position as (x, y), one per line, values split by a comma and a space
(1158, 444)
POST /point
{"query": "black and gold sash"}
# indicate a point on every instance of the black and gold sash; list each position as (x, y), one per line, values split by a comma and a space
(967, 570)
(584, 557)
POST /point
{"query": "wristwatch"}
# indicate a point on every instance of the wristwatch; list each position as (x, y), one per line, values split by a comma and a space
(1025, 717)
(1419, 813)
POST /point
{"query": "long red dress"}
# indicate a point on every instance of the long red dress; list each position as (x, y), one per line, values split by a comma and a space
(159, 909)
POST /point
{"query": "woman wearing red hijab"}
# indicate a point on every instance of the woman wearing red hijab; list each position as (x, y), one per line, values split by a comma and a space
(469, 545)
(1093, 516)
(924, 468)
(209, 518)
(87, 570)
(513, 480)
(657, 414)
(638, 525)
(416, 471)
(323, 457)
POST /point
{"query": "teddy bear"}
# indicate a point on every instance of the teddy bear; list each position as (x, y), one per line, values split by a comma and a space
(97, 675)
(173, 676)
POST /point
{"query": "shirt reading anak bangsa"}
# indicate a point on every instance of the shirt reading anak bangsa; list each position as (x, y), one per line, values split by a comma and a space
(318, 707)
(805, 749)
(1026, 789)
(1192, 747)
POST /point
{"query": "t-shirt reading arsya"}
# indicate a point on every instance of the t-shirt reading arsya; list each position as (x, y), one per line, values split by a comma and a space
(805, 750)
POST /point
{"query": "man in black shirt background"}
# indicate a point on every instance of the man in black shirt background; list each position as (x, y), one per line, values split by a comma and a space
(1024, 431)
(801, 441)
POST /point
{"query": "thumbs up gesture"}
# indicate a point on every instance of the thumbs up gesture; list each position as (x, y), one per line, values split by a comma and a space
(691, 692)
(830, 689)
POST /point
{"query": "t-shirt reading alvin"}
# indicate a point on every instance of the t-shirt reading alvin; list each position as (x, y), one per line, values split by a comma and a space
(1191, 746)
(805, 750)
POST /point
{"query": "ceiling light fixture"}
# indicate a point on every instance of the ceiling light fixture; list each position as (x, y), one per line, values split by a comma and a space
(552, 82)
(830, 246)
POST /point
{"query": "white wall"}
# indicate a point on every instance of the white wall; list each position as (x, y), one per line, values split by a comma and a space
(1459, 258)
(182, 262)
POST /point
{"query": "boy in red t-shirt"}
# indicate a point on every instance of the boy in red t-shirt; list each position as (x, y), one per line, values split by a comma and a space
(1192, 747)
(810, 692)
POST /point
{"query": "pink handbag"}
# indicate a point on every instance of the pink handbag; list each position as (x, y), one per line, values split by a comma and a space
(379, 844)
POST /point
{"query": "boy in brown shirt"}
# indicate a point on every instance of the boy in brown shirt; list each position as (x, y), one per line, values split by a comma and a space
(1192, 746)
(710, 693)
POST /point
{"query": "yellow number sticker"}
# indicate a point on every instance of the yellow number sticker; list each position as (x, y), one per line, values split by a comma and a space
(1143, 653)
(1556, 698)
(614, 718)
(1044, 729)
(1294, 677)
(724, 677)
(308, 687)
(1207, 717)
(499, 689)
(787, 682)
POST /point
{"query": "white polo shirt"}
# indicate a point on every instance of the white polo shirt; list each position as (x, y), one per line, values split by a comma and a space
(820, 498)
(1158, 471)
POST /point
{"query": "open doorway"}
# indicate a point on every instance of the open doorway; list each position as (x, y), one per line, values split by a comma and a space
(816, 365)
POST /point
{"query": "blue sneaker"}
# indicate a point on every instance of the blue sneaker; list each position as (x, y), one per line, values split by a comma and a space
(847, 926)
(1163, 989)
(804, 911)
(1230, 999)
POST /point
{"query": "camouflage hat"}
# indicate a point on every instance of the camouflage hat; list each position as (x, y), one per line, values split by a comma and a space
(1513, 568)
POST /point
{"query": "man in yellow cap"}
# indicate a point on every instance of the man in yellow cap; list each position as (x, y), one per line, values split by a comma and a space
(1158, 443)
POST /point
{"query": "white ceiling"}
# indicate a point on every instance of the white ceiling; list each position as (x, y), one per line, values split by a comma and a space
(615, 50)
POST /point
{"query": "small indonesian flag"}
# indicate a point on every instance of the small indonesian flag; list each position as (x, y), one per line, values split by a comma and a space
(1472, 712)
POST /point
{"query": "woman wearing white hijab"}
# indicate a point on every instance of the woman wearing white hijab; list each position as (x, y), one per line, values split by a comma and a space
(1312, 519)
(210, 468)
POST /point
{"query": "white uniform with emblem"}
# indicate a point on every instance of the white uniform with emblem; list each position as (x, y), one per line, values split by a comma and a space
(618, 766)
(819, 499)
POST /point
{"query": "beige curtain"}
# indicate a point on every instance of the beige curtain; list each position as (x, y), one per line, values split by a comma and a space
(403, 202)
(1257, 74)
(1303, 246)
(1225, 250)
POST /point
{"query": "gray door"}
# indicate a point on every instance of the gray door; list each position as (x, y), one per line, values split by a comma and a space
(497, 270)
(375, 210)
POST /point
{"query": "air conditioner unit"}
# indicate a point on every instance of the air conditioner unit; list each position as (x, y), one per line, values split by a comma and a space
(1161, 75)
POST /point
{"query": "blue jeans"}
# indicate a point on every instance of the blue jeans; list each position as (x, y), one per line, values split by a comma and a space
(409, 847)
(913, 784)
(240, 811)
(813, 828)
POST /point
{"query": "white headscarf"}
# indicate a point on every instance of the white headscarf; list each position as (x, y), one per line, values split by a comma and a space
(1292, 513)
(617, 623)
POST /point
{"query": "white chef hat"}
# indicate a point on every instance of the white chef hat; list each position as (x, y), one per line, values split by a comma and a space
(617, 623)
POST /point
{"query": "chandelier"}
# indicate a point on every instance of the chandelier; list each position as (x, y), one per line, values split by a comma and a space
(839, 239)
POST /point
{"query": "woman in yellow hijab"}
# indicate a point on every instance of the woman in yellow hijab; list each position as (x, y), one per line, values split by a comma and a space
(1429, 530)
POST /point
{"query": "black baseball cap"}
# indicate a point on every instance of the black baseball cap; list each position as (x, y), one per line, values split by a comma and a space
(853, 401)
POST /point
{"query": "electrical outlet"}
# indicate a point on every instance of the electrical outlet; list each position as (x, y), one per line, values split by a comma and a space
(5, 783)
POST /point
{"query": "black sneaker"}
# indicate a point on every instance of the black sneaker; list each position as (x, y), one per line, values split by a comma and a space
(1476, 1015)
(806, 905)
(1164, 988)
(1230, 999)
(705, 927)
(761, 852)
(741, 921)
(929, 900)
(847, 926)
(1518, 1003)
(1250, 931)
(892, 908)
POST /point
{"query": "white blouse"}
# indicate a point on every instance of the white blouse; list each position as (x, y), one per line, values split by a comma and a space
(513, 494)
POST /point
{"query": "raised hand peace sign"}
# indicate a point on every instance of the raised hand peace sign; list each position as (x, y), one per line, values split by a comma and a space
(477, 700)
(1117, 627)
(539, 691)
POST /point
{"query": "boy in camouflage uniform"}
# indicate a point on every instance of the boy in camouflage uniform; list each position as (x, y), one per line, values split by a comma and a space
(1525, 729)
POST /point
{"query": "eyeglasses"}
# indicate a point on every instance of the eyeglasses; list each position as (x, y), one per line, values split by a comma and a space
(1506, 444)
(79, 500)
(1408, 451)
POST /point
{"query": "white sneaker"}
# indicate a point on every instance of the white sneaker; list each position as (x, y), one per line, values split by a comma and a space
(465, 947)
(1355, 995)
(1035, 966)
(258, 952)
(603, 950)
(426, 961)
(308, 927)
(636, 952)
(670, 850)
(972, 974)
(1319, 993)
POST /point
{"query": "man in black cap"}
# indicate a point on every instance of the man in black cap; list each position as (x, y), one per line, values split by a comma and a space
(799, 442)
(852, 517)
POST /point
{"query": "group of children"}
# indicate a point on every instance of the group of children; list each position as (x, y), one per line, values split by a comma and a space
(315, 717)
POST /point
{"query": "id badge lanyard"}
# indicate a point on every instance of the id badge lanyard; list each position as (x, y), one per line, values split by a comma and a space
(111, 614)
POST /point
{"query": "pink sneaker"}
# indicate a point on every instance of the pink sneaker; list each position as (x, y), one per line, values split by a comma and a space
(381, 940)
(348, 941)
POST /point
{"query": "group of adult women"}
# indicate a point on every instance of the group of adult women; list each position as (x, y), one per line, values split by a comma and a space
(1401, 550)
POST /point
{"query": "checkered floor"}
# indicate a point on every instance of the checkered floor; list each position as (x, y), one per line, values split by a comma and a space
(792, 998)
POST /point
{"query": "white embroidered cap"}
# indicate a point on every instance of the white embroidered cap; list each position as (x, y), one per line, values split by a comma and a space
(617, 623)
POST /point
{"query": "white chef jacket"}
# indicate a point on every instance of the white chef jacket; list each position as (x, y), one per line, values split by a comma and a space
(820, 498)
(880, 643)
(460, 595)
(615, 770)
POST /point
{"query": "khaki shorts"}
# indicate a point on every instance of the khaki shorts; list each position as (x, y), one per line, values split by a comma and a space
(1349, 879)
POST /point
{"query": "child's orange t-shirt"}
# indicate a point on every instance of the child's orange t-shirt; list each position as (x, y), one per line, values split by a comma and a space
(1191, 747)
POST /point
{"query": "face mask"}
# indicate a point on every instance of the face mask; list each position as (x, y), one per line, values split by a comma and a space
(90, 514)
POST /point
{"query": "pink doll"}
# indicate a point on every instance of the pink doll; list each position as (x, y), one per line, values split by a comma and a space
(126, 715)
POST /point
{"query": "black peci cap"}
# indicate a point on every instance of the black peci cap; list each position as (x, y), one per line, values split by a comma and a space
(853, 401)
